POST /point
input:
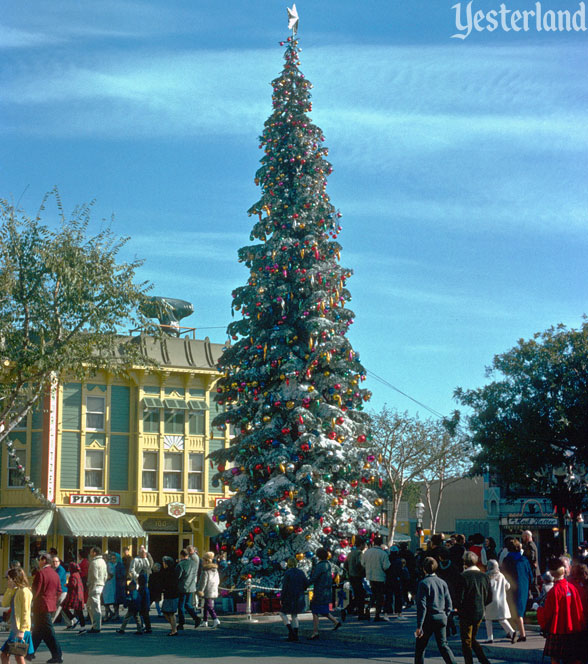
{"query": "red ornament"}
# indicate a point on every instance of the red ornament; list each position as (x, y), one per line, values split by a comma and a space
(327, 530)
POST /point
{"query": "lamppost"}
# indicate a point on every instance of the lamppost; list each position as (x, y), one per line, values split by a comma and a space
(560, 504)
(420, 512)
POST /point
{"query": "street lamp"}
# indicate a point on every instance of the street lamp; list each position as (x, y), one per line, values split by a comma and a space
(568, 484)
(420, 512)
(559, 473)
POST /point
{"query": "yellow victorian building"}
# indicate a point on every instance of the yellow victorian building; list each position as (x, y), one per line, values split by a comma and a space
(122, 459)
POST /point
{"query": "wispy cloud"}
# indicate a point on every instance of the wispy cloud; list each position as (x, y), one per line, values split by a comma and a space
(209, 246)
(419, 100)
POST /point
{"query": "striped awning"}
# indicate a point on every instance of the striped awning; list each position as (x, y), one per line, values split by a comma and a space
(97, 522)
(25, 520)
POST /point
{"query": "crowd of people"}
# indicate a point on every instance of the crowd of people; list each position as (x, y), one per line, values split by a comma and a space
(452, 580)
(102, 584)
(470, 581)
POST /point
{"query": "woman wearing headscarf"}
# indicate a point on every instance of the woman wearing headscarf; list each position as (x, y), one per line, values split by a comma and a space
(498, 607)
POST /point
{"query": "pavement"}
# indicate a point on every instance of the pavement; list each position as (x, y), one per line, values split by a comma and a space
(398, 633)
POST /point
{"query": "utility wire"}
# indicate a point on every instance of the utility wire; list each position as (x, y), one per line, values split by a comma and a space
(434, 412)
(404, 394)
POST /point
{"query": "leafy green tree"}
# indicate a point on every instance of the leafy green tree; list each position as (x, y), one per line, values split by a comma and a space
(64, 298)
(291, 383)
(533, 417)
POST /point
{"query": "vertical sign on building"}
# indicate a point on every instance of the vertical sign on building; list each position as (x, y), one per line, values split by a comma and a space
(52, 447)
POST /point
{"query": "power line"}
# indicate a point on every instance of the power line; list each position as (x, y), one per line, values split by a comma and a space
(434, 412)
(404, 394)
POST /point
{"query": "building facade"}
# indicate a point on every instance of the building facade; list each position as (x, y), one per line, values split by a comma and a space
(123, 459)
(482, 505)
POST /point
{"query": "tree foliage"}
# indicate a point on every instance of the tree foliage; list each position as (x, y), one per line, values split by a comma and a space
(291, 382)
(64, 298)
(534, 414)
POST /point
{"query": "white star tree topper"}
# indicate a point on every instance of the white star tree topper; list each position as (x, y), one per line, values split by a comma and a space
(292, 19)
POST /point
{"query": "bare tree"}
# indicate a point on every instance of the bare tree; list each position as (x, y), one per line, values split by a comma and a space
(401, 449)
(448, 460)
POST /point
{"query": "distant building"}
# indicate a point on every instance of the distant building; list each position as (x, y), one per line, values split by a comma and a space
(122, 458)
(481, 505)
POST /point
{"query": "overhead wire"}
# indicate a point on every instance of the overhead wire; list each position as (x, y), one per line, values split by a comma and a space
(434, 412)
(375, 376)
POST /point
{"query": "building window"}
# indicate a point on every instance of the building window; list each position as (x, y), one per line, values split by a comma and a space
(172, 471)
(15, 479)
(196, 423)
(196, 472)
(94, 477)
(95, 409)
(150, 470)
(151, 420)
(16, 549)
(173, 421)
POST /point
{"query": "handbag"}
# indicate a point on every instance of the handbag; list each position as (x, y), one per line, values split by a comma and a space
(20, 648)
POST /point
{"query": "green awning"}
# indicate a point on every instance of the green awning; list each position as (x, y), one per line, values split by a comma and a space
(212, 528)
(25, 520)
(97, 522)
(152, 402)
(197, 405)
(175, 404)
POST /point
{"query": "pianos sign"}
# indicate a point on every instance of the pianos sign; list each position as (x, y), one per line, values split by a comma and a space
(94, 499)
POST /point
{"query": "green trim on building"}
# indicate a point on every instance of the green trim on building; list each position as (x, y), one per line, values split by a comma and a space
(120, 408)
(212, 447)
(35, 471)
(93, 436)
(72, 406)
(119, 464)
(70, 460)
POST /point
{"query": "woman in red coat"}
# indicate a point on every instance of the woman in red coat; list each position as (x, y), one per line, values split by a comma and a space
(562, 619)
(74, 600)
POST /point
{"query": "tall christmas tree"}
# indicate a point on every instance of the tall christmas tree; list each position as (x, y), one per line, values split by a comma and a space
(290, 385)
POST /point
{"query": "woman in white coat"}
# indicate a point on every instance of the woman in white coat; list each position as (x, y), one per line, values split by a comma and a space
(498, 607)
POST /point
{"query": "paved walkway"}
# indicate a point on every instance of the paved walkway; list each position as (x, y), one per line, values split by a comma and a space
(399, 632)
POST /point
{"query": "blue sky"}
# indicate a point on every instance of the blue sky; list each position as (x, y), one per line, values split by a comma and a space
(459, 165)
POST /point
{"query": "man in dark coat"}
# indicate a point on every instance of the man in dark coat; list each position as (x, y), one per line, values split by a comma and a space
(46, 590)
(356, 572)
(531, 553)
(472, 595)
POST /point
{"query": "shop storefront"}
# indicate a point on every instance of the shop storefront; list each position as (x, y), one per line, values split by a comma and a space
(24, 533)
(543, 527)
